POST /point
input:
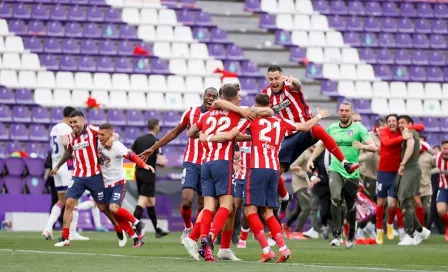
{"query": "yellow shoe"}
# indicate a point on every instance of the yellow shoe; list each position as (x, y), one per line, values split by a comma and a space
(390, 232)
(379, 236)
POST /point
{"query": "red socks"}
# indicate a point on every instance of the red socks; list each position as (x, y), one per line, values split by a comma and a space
(126, 215)
(281, 189)
(197, 215)
(226, 239)
(257, 228)
(118, 228)
(392, 213)
(379, 217)
(320, 133)
(65, 233)
(420, 212)
(218, 221)
(400, 219)
(206, 222)
(276, 231)
(243, 235)
(195, 232)
(445, 220)
(186, 216)
(124, 224)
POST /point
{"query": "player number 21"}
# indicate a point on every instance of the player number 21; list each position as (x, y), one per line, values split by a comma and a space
(268, 126)
(223, 123)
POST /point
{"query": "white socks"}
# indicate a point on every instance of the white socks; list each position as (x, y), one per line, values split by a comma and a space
(286, 198)
(74, 223)
(54, 215)
(86, 205)
(96, 217)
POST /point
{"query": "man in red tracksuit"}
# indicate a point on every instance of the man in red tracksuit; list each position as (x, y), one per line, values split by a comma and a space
(390, 158)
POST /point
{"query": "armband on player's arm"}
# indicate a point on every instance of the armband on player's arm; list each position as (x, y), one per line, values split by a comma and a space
(136, 159)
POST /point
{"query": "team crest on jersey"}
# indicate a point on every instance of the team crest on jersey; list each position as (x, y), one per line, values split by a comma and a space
(350, 132)
(281, 106)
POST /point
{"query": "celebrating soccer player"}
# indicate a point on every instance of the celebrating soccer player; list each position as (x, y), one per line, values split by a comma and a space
(442, 196)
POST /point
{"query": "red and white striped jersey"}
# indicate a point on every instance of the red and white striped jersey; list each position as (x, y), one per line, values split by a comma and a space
(212, 123)
(424, 146)
(267, 134)
(442, 164)
(194, 151)
(85, 152)
(245, 150)
(290, 105)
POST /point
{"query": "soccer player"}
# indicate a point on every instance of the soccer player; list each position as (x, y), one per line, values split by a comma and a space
(82, 145)
(442, 195)
(408, 183)
(351, 137)
(423, 197)
(58, 142)
(287, 99)
(193, 156)
(262, 178)
(390, 149)
(111, 163)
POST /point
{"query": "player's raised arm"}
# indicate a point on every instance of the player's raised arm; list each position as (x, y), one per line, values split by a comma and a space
(296, 85)
(313, 121)
(226, 105)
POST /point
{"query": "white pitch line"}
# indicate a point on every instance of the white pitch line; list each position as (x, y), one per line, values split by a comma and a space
(189, 259)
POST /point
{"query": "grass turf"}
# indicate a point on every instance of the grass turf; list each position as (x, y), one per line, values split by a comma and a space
(29, 251)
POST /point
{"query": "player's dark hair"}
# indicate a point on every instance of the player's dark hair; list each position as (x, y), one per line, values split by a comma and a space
(76, 113)
(407, 118)
(210, 89)
(379, 122)
(68, 110)
(152, 123)
(391, 115)
(228, 91)
(275, 68)
(262, 100)
(423, 137)
(106, 126)
(444, 142)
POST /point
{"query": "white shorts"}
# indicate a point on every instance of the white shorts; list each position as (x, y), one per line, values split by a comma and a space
(62, 179)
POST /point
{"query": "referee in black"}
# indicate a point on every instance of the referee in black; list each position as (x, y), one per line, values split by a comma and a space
(146, 180)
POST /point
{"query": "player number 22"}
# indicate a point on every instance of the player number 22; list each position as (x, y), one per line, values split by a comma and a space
(268, 126)
(223, 123)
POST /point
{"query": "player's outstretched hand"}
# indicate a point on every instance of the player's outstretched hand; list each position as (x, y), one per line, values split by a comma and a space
(109, 143)
(406, 135)
(310, 166)
(249, 114)
(54, 171)
(150, 168)
(202, 137)
(288, 79)
(145, 154)
(357, 144)
(324, 113)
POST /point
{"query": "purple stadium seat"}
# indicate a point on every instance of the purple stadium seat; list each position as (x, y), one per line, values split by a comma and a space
(390, 9)
(159, 66)
(110, 31)
(435, 74)
(314, 70)
(297, 54)
(263, 83)
(55, 29)
(112, 15)
(62, 1)
(98, 2)
(436, 58)
(131, 133)
(389, 25)
(202, 34)
(352, 39)
(36, 28)
(40, 115)
(5, 114)
(76, 13)
(219, 36)
(89, 47)
(329, 88)
(50, 62)
(247, 101)
(438, 41)
(105, 64)
(404, 40)
(2, 152)
(94, 14)
(97, 117)
(217, 51)
(142, 65)
(441, 10)
(431, 124)
(418, 73)
(134, 118)
(13, 184)
(402, 57)
(58, 12)
(3, 133)
(405, 25)
(73, 29)
(268, 21)
(153, 114)
(123, 65)
(249, 85)
(36, 185)
(419, 58)
(70, 46)
(384, 72)
(444, 124)
(24, 96)
(6, 96)
(21, 11)
(174, 156)
(233, 66)
(21, 114)
(407, 10)
(183, 138)
(372, 24)
(338, 7)
(356, 8)
(336, 22)
(68, 63)
(368, 55)
(252, 5)
(171, 118)
(128, 32)
(34, 44)
(424, 10)
(12, 147)
(203, 19)
(36, 148)
(385, 56)
(36, 167)
(56, 115)
(431, 138)
(373, 8)
(185, 16)
(38, 133)
(107, 47)
(321, 6)
(16, 166)
(363, 106)
(354, 24)
(18, 27)
(52, 45)
(439, 26)
(234, 52)
(125, 48)
(5, 10)
(422, 25)
(283, 37)
(116, 117)
(79, 2)
(401, 73)
(86, 64)
(91, 30)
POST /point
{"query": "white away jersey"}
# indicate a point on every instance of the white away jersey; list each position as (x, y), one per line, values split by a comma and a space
(111, 162)
(57, 148)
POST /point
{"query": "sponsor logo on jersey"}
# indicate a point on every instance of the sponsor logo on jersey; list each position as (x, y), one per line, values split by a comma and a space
(268, 146)
(281, 106)
(80, 145)
(245, 149)
(344, 143)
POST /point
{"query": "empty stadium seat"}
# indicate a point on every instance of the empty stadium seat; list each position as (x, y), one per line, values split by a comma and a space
(398, 90)
(380, 106)
(63, 97)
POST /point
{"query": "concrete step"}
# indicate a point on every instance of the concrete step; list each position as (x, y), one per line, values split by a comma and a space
(222, 7)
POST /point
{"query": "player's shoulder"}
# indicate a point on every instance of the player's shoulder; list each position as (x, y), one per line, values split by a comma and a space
(334, 125)
(359, 126)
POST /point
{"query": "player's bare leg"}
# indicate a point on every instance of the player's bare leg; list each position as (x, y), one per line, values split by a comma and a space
(276, 233)
(118, 230)
(251, 214)
(186, 211)
(68, 216)
(124, 219)
(443, 215)
(54, 215)
(225, 253)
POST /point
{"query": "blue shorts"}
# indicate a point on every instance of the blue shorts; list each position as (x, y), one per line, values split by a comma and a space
(216, 178)
(239, 188)
(191, 177)
(261, 187)
(442, 196)
(93, 184)
(385, 185)
(293, 146)
(115, 194)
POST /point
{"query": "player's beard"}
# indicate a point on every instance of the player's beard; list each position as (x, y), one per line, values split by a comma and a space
(345, 120)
